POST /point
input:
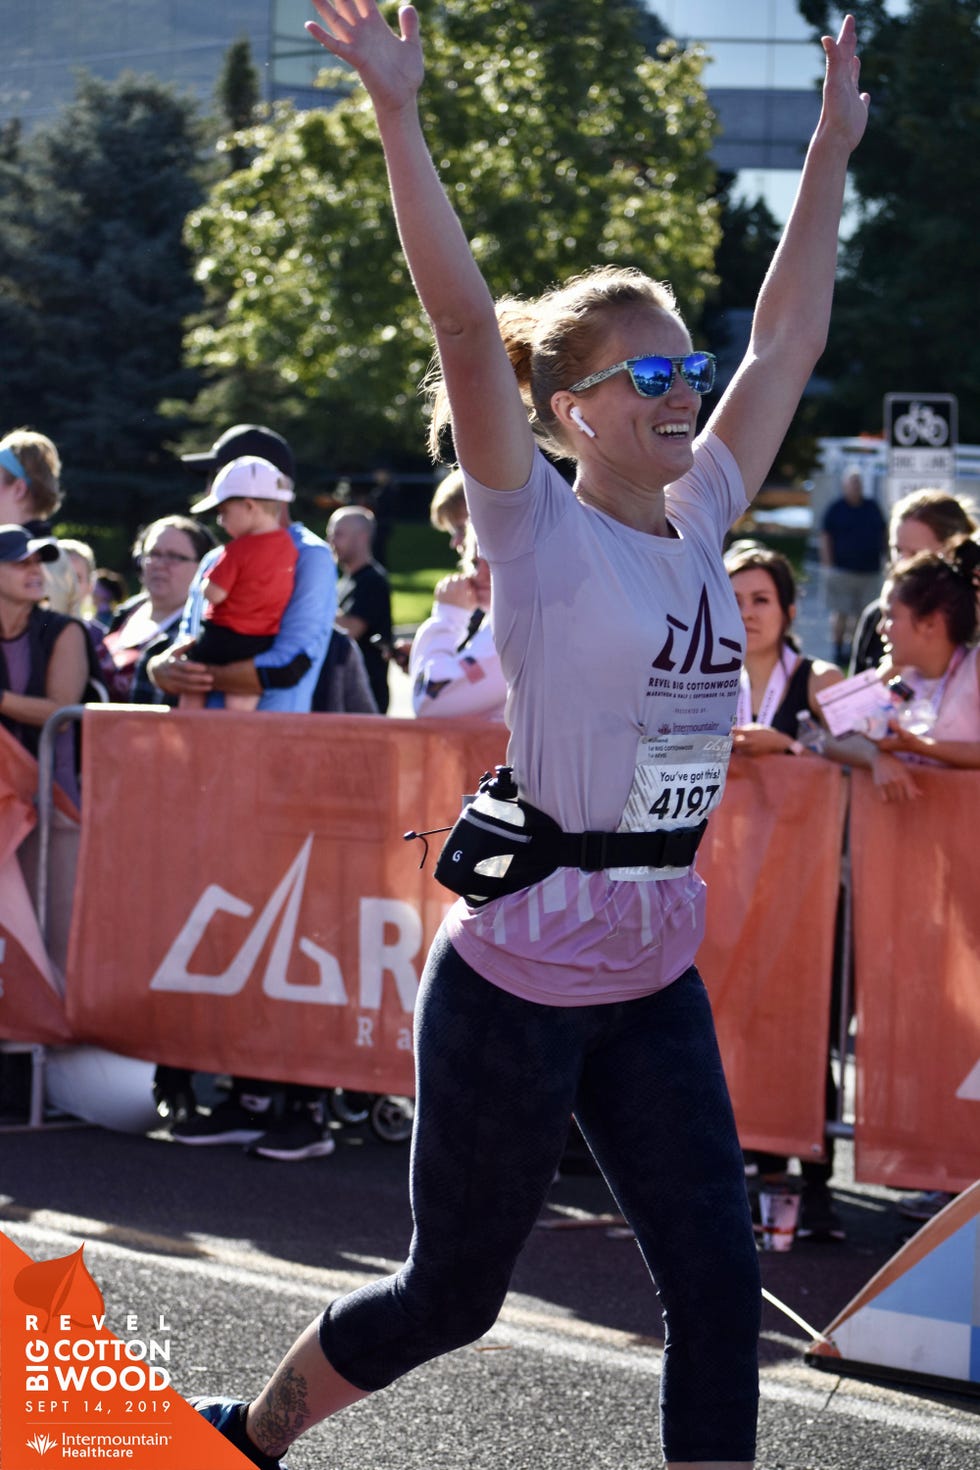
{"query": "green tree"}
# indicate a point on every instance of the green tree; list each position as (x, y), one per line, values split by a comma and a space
(237, 94)
(910, 275)
(95, 284)
(564, 143)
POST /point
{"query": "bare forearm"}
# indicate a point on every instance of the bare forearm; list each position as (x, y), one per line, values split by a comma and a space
(851, 750)
(449, 284)
(798, 290)
(213, 592)
(29, 709)
(236, 678)
(963, 755)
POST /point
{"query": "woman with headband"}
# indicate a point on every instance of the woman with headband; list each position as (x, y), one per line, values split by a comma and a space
(30, 492)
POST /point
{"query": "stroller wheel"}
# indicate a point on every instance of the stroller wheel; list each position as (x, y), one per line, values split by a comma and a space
(349, 1107)
(392, 1118)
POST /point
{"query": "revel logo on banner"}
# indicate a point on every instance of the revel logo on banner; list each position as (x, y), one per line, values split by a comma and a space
(390, 935)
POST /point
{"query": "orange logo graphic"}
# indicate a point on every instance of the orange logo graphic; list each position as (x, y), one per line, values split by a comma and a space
(71, 1389)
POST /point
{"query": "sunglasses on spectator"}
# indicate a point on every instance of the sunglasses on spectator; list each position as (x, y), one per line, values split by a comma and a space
(169, 558)
(652, 376)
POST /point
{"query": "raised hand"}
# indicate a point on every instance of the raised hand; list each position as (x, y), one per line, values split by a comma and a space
(389, 65)
(844, 107)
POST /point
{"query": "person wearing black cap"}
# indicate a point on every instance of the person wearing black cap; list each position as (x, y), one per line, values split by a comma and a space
(284, 677)
(44, 656)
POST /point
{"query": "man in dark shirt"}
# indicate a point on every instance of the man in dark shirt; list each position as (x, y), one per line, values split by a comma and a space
(852, 540)
(363, 594)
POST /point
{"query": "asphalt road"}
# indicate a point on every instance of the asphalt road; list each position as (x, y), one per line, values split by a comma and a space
(240, 1254)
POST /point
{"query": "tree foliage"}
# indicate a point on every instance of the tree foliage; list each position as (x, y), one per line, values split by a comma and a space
(563, 143)
(95, 282)
(911, 269)
(237, 94)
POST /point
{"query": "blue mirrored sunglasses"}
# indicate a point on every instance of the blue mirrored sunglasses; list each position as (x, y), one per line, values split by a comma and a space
(652, 376)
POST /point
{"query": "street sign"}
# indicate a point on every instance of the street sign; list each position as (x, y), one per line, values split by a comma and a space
(921, 432)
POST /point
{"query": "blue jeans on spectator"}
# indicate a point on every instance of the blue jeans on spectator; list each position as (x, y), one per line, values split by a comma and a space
(497, 1080)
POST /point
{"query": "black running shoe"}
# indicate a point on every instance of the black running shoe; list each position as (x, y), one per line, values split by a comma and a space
(228, 1418)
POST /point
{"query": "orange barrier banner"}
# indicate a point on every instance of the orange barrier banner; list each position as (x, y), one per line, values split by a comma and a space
(917, 967)
(771, 859)
(31, 1007)
(246, 903)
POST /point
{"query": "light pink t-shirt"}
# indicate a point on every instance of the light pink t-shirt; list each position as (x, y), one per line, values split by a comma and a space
(605, 635)
(956, 697)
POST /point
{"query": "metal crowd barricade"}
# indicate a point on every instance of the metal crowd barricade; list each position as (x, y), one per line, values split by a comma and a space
(837, 1127)
(44, 802)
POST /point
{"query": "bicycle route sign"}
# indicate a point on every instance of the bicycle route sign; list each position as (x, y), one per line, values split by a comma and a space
(920, 431)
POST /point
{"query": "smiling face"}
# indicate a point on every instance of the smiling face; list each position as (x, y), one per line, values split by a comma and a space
(762, 614)
(648, 440)
(22, 582)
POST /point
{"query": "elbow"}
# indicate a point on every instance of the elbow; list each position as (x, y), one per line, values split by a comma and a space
(464, 320)
(817, 345)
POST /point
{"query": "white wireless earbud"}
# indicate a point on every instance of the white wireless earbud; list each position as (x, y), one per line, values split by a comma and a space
(575, 414)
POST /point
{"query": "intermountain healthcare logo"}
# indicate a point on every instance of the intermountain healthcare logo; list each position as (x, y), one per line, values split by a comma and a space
(71, 1390)
(121, 1446)
(41, 1443)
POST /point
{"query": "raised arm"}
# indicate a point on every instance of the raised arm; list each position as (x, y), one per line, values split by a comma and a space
(792, 314)
(490, 427)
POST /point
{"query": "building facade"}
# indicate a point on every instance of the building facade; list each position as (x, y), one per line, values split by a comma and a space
(761, 76)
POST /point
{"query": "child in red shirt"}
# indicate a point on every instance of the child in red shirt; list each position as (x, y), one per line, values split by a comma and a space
(248, 586)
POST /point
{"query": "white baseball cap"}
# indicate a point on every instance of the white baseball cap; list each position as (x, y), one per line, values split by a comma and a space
(249, 476)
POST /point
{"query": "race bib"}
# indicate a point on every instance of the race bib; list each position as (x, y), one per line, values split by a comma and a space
(678, 781)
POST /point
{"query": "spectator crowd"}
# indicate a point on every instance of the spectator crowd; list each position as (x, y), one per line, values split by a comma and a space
(274, 617)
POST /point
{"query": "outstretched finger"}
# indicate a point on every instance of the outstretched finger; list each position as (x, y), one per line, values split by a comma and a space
(336, 29)
(408, 22)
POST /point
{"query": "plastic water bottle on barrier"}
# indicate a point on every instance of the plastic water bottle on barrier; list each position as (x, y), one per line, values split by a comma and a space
(913, 713)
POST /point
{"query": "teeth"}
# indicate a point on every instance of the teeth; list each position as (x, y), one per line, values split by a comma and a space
(671, 430)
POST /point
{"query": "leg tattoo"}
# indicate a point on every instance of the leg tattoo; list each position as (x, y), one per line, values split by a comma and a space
(285, 1415)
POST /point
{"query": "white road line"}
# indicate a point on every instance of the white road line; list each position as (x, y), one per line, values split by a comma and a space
(519, 1325)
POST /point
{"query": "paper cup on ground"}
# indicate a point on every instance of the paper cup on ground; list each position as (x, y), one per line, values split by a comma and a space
(779, 1210)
